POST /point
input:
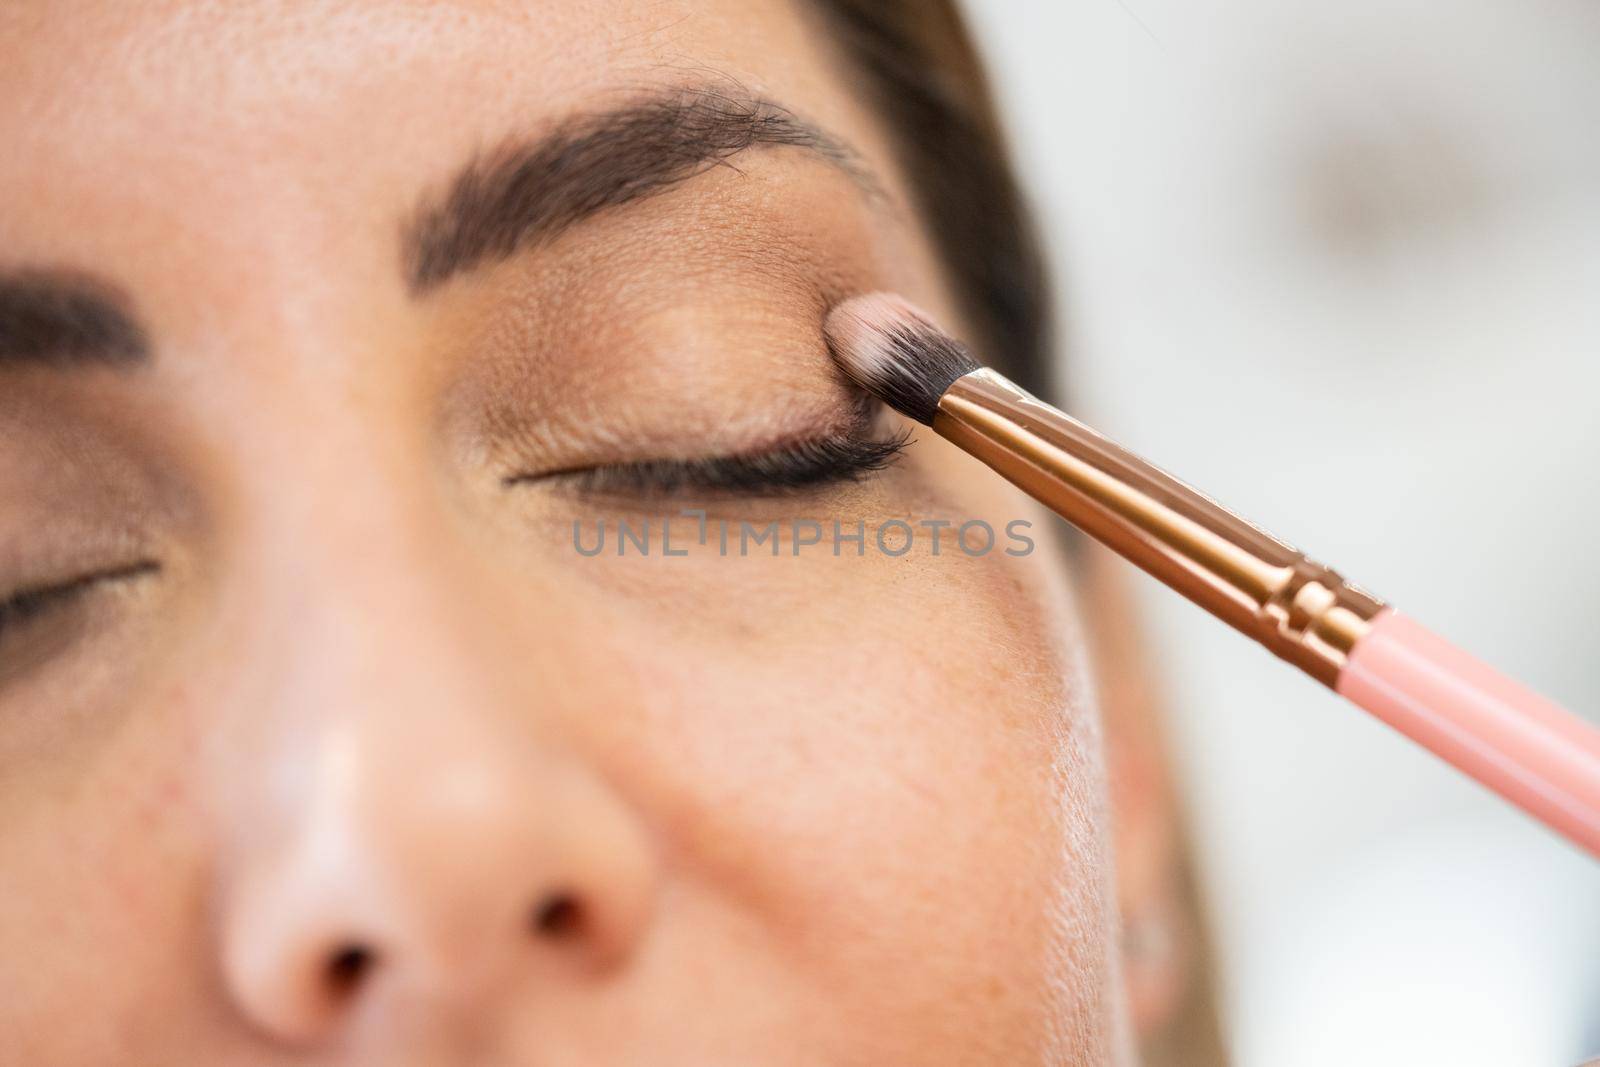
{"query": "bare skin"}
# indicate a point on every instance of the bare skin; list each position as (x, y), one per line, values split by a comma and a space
(346, 755)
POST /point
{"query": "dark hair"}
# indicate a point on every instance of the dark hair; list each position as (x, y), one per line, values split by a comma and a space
(918, 67)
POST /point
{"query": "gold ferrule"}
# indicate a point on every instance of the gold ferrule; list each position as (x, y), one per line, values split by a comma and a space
(1296, 607)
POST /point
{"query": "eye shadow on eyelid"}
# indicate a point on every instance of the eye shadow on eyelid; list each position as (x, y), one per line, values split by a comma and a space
(795, 463)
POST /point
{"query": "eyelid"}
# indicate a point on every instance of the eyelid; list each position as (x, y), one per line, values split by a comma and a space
(789, 467)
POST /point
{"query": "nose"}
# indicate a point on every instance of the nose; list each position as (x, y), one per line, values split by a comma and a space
(405, 845)
(397, 885)
(443, 889)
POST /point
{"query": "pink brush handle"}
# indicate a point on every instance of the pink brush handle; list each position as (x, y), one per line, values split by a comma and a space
(1535, 754)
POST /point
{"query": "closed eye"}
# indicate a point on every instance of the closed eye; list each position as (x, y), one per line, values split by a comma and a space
(32, 604)
(771, 472)
(788, 468)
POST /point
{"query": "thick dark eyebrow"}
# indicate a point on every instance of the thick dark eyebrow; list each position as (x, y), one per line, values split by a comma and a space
(63, 319)
(526, 193)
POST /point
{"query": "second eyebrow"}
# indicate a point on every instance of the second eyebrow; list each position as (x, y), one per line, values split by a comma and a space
(63, 319)
(526, 194)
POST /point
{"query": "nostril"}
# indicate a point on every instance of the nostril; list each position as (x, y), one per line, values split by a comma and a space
(348, 967)
(559, 917)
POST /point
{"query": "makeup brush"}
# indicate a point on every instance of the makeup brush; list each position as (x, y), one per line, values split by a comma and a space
(1522, 746)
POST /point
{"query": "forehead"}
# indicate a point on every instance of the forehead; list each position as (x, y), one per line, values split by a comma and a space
(175, 122)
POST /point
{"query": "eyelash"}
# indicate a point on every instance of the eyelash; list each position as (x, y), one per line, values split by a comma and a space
(783, 470)
(29, 605)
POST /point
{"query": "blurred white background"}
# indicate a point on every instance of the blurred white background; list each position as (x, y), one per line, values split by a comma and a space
(1339, 263)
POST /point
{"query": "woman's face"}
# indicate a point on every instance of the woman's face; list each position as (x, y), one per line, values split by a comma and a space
(323, 738)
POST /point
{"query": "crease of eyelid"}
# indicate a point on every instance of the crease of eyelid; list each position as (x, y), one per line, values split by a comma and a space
(28, 604)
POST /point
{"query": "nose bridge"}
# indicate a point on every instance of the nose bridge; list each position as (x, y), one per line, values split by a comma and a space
(375, 610)
(381, 640)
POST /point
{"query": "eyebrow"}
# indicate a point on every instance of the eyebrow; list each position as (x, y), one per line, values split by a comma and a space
(528, 192)
(62, 319)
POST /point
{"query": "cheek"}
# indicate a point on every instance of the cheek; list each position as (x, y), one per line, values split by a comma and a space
(108, 845)
(882, 761)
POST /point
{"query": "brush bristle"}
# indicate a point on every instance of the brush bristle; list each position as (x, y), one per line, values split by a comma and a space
(896, 353)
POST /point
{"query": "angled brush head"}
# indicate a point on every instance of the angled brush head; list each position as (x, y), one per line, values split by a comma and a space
(896, 353)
